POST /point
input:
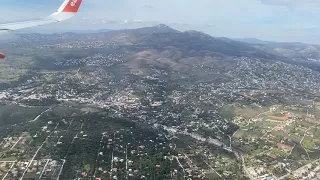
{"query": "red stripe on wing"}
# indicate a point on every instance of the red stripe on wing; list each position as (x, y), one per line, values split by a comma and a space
(2, 55)
(72, 6)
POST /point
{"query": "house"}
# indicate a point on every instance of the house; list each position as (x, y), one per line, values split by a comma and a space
(115, 169)
(284, 147)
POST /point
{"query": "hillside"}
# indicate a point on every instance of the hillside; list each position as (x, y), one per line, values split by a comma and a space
(154, 102)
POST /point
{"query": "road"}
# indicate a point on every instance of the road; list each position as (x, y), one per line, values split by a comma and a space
(4, 177)
(75, 137)
(64, 161)
(34, 156)
(246, 170)
(273, 129)
(44, 168)
(101, 142)
(126, 161)
(15, 143)
(212, 168)
(208, 140)
(184, 172)
(305, 132)
(112, 155)
(282, 177)
(40, 115)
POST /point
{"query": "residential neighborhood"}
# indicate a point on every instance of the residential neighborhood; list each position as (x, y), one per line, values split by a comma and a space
(143, 104)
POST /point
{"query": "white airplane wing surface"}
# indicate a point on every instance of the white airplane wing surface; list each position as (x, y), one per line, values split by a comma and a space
(67, 10)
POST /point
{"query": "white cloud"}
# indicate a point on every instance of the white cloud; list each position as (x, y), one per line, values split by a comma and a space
(310, 6)
(289, 2)
(266, 19)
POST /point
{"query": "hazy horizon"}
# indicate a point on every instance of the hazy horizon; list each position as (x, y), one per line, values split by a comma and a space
(270, 20)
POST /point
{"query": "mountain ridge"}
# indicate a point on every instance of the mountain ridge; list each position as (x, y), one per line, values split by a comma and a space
(166, 40)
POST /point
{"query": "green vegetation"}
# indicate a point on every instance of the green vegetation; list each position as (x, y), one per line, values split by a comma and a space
(14, 114)
(249, 111)
(227, 112)
(279, 152)
(310, 143)
(13, 71)
(12, 158)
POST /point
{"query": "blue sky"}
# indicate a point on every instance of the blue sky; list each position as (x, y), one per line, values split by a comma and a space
(277, 20)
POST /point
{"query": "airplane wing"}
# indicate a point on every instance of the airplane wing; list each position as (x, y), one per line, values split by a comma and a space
(67, 10)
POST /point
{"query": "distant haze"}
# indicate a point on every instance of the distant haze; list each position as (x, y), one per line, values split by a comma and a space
(272, 20)
(7, 36)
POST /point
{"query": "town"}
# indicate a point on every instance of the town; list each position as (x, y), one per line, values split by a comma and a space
(109, 108)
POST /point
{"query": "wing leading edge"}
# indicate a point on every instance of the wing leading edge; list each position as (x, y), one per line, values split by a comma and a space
(67, 10)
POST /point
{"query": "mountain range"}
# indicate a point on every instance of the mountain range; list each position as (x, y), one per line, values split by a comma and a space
(194, 43)
(162, 47)
(162, 34)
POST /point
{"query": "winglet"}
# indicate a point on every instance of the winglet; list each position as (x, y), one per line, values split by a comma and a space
(67, 10)
(71, 6)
